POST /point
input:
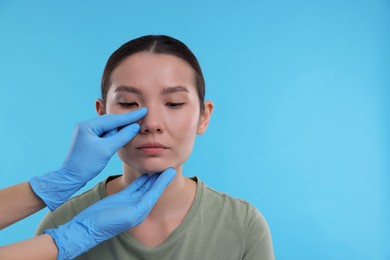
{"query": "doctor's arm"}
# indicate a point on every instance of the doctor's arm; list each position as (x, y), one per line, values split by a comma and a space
(18, 202)
(41, 247)
(128, 208)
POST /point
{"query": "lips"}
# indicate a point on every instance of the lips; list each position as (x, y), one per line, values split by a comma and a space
(152, 149)
(151, 145)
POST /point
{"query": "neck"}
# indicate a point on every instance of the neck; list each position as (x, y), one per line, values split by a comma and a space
(177, 198)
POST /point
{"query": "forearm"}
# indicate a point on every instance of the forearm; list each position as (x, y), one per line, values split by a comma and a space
(18, 202)
(40, 248)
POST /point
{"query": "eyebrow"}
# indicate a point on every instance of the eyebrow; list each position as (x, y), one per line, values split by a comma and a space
(171, 90)
(165, 91)
(128, 89)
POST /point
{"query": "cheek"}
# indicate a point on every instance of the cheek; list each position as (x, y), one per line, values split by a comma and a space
(184, 128)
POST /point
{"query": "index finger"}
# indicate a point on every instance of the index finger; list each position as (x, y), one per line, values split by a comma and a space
(108, 122)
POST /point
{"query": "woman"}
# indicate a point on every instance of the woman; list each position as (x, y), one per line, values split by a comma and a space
(190, 220)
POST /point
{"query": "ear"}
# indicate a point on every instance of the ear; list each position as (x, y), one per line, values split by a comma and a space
(100, 107)
(205, 117)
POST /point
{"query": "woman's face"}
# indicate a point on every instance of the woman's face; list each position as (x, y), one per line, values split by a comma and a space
(165, 85)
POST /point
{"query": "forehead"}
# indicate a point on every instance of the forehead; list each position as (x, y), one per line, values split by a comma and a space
(150, 71)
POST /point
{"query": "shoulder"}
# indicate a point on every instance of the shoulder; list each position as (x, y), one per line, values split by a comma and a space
(227, 208)
(226, 202)
(258, 240)
(241, 218)
(71, 208)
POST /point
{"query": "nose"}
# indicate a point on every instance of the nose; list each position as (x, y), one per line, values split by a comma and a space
(151, 123)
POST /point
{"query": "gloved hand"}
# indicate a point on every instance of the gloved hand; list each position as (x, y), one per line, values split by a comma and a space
(110, 216)
(93, 144)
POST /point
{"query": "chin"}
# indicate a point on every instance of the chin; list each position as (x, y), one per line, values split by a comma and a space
(152, 168)
(151, 171)
(152, 165)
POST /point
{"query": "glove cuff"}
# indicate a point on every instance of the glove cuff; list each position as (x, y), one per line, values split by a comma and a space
(54, 188)
(72, 239)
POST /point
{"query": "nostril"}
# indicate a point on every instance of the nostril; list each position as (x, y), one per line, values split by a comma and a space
(150, 128)
(143, 129)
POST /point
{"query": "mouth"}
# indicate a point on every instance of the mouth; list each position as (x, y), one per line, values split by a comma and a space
(151, 145)
(152, 148)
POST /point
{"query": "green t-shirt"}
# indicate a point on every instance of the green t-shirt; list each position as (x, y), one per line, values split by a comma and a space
(216, 227)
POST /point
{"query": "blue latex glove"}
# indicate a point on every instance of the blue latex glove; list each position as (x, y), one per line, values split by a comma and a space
(110, 216)
(93, 144)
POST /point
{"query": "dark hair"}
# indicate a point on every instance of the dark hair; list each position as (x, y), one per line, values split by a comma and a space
(159, 44)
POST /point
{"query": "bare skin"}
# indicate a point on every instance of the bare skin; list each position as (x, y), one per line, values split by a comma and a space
(38, 248)
(18, 202)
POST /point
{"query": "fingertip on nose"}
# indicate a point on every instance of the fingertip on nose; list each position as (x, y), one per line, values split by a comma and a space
(143, 110)
(135, 127)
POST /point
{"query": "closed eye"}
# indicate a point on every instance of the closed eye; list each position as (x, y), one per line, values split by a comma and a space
(128, 104)
(175, 105)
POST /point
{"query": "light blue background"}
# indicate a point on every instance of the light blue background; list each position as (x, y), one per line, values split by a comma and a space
(301, 92)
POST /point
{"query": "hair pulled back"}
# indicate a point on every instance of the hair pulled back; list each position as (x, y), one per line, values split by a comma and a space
(158, 44)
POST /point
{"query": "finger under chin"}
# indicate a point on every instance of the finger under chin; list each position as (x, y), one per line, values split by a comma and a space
(159, 185)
